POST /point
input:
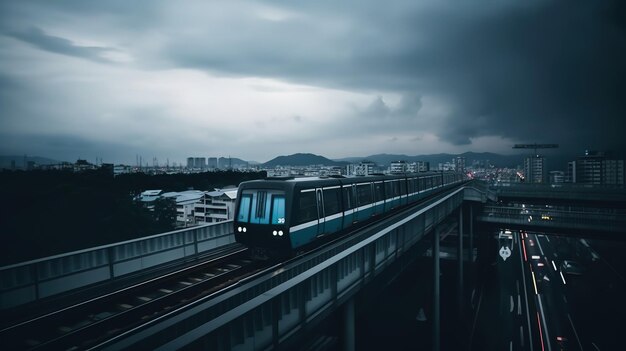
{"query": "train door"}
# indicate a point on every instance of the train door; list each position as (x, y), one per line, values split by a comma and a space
(320, 212)
(348, 205)
(378, 201)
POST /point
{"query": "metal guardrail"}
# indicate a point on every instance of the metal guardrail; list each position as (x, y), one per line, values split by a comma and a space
(267, 310)
(29, 281)
(590, 219)
(563, 191)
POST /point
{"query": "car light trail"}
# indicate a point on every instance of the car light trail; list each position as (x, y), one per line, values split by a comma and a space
(553, 265)
(562, 277)
(534, 282)
(540, 333)
(524, 247)
(535, 257)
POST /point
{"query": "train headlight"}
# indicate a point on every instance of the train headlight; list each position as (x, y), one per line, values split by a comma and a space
(274, 233)
(239, 229)
(280, 233)
(244, 229)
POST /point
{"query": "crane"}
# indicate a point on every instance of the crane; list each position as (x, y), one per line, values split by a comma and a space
(535, 146)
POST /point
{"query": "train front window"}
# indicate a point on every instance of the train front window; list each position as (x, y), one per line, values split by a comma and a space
(244, 208)
(257, 206)
(278, 209)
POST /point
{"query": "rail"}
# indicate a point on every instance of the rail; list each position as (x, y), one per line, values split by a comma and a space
(37, 279)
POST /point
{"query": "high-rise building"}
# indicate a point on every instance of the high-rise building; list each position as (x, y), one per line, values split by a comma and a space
(594, 168)
(190, 162)
(534, 169)
(200, 163)
(613, 172)
(212, 162)
(459, 163)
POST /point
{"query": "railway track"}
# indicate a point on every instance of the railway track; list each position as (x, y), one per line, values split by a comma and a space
(87, 323)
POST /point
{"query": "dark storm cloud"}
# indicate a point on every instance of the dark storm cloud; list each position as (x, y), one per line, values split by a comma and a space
(40, 39)
(548, 71)
(527, 71)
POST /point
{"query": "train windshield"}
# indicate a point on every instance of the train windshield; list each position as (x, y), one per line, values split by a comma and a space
(262, 207)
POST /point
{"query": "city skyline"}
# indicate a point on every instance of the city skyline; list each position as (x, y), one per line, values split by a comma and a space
(258, 79)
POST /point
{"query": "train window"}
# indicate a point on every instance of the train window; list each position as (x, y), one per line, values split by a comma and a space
(244, 208)
(260, 204)
(396, 188)
(348, 198)
(388, 190)
(278, 209)
(307, 207)
(331, 201)
(259, 208)
(363, 194)
(411, 185)
(378, 192)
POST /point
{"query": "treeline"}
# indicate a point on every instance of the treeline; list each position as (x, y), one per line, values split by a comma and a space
(50, 212)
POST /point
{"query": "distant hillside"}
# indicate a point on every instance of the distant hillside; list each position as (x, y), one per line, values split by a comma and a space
(20, 161)
(302, 160)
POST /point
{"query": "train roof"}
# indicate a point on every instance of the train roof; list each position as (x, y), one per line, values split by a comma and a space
(306, 182)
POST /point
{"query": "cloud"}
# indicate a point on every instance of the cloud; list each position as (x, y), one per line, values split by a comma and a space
(257, 78)
(37, 37)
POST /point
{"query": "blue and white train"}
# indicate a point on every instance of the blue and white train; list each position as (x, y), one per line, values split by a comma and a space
(282, 217)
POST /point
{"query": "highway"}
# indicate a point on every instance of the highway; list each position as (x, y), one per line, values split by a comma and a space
(532, 300)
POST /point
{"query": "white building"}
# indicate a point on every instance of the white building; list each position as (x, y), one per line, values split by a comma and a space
(398, 167)
(216, 206)
(185, 203)
(364, 168)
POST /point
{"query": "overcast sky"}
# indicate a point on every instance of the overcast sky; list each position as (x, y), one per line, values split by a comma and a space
(255, 79)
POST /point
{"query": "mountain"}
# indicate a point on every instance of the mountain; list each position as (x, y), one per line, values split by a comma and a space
(302, 160)
(20, 162)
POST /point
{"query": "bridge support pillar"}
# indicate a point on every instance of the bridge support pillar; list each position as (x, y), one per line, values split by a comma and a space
(349, 337)
(471, 235)
(436, 297)
(460, 259)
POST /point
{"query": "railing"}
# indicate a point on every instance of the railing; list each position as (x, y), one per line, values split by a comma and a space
(563, 191)
(29, 281)
(590, 219)
(265, 311)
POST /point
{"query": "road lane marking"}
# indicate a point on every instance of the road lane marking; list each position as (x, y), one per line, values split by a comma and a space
(519, 305)
(575, 333)
(545, 325)
(596, 346)
(540, 334)
(538, 243)
(553, 265)
(511, 345)
(562, 277)
(521, 263)
(547, 238)
(512, 303)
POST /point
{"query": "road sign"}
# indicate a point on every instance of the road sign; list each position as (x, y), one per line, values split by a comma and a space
(505, 252)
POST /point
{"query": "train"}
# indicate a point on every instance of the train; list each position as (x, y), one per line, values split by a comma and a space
(283, 217)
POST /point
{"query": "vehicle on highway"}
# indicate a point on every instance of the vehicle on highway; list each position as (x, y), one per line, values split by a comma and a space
(572, 267)
(281, 217)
